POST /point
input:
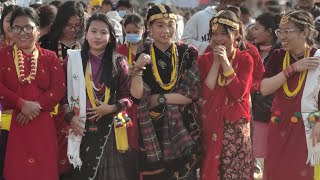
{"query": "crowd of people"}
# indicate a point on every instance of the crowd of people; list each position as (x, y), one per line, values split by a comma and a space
(117, 92)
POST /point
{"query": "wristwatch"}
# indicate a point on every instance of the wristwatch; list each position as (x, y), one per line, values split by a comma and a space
(162, 99)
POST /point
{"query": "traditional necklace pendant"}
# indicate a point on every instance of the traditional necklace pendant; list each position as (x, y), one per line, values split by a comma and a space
(162, 64)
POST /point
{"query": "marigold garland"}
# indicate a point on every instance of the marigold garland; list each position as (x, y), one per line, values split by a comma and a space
(285, 64)
(20, 65)
(174, 73)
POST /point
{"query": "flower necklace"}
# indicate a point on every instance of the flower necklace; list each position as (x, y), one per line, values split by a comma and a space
(221, 80)
(91, 87)
(89, 67)
(60, 57)
(174, 73)
(20, 65)
(285, 64)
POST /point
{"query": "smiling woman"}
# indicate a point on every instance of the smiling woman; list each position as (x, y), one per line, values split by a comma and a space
(31, 83)
(292, 75)
(105, 77)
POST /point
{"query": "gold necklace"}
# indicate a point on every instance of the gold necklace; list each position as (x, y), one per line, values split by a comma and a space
(174, 73)
(130, 55)
(222, 80)
(285, 64)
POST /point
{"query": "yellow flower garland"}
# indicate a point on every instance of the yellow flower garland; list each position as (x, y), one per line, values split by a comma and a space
(221, 80)
(174, 73)
(90, 89)
(285, 64)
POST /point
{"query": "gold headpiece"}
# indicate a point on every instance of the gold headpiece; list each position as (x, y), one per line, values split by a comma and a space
(285, 19)
(164, 14)
(216, 21)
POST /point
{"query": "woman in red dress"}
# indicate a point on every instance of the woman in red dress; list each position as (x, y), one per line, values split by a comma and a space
(226, 75)
(134, 30)
(285, 77)
(31, 83)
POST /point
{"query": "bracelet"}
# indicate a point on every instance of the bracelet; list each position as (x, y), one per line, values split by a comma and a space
(68, 116)
(136, 74)
(137, 65)
(134, 70)
(228, 73)
(289, 71)
(230, 77)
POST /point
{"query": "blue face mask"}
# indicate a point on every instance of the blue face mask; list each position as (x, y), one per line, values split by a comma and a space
(122, 13)
(133, 38)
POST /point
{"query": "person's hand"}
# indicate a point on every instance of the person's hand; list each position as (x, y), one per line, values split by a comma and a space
(143, 60)
(315, 135)
(31, 109)
(102, 110)
(310, 63)
(22, 119)
(76, 127)
(221, 54)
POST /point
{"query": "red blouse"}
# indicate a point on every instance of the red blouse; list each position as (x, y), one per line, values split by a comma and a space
(229, 102)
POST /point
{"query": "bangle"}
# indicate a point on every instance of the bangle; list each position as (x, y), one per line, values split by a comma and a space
(137, 65)
(230, 77)
(20, 103)
(136, 74)
(228, 73)
(289, 71)
(68, 116)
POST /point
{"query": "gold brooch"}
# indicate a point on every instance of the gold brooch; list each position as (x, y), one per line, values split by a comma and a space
(166, 18)
(285, 19)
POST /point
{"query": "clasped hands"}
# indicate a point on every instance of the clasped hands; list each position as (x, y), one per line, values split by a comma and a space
(29, 111)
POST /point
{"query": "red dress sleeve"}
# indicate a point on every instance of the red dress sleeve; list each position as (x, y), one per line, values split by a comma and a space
(258, 69)
(274, 65)
(241, 83)
(57, 87)
(204, 63)
(9, 98)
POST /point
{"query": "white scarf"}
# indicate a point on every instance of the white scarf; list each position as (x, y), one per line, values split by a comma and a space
(309, 104)
(76, 99)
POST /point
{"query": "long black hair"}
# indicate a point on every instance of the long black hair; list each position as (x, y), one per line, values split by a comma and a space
(108, 56)
(7, 10)
(65, 11)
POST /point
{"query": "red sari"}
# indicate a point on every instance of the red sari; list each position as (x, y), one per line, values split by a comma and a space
(287, 149)
(229, 102)
(132, 111)
(32, 148)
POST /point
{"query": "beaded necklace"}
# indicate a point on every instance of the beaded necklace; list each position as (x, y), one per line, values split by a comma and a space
(20, 65)
(60, 57)
(285, 64)
(174, 73)
(222, 80)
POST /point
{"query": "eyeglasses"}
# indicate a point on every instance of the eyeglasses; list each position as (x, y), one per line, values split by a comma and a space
(26, 29)
(76, 27)
(285, 32)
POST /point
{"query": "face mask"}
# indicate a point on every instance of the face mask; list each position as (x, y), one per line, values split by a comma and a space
(122, 13)
(133, 38)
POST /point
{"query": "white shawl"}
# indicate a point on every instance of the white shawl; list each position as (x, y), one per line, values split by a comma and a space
(309, 104)
(77, 100)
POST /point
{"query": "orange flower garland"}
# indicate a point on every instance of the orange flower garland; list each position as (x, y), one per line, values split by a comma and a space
(20, 65)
